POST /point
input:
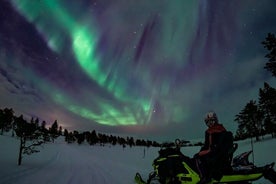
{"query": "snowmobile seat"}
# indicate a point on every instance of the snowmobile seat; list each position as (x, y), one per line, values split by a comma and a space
(224, 157)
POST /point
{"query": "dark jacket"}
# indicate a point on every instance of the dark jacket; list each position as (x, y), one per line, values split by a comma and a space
(212, 140)
(214, 155)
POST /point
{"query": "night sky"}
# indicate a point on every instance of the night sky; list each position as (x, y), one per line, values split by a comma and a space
(147, 68)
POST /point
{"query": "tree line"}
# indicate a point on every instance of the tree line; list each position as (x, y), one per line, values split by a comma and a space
(30, 133)
(93, 138)
(34, 133)
(258, 117)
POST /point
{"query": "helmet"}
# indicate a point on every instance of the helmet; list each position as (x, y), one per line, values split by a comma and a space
(211, 117)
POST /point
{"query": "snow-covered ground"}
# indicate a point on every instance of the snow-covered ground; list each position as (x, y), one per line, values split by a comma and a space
(62, 163)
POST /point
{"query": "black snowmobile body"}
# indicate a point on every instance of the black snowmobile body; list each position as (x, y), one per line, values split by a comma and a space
(175, 168)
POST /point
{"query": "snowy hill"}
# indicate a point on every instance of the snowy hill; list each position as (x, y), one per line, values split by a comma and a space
(62, 163)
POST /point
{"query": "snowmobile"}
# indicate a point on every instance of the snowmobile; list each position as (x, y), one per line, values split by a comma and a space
(172, 167)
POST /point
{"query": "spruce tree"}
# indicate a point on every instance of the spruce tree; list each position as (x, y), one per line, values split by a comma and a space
(270, 45)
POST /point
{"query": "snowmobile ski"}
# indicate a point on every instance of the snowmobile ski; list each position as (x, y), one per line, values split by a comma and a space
(138, 179)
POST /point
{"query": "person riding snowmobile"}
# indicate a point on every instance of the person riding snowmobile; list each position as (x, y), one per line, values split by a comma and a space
(213, 164)
(208, 159)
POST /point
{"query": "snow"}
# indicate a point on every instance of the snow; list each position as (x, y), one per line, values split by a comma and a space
(62, 163)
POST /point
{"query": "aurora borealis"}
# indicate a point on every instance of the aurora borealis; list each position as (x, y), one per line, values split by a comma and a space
(146, 68)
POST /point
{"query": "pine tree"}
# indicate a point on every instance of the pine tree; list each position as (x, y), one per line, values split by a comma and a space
(94, 138)
(6, 119)
(250, 120)
(2, 123)
(30, 137)
(270, 44)
(267, 103)
(53, 130)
